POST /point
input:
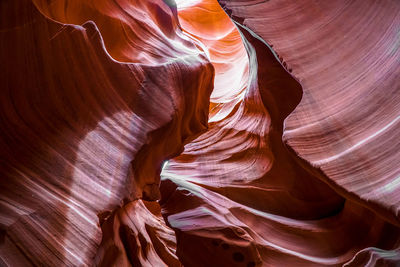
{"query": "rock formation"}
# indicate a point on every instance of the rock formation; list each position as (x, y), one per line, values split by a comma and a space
(84, 131)
(199, 133)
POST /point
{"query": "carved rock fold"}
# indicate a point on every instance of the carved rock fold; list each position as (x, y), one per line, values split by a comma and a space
(267, 130)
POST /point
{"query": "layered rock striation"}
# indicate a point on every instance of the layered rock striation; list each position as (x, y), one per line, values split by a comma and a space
(86, 127)
(273, 182)
(273, 125)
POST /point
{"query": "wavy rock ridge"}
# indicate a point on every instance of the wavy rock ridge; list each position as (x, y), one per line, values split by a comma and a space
(84, 133)
(346, 50)
(279, 124)
(254, 201)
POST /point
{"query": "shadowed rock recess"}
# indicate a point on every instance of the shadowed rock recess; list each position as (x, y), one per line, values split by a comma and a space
(199, 133)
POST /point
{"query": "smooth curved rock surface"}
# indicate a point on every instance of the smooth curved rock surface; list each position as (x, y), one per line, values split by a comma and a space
(84, 134)
(251, 201)
(346, 56)
(274, 125)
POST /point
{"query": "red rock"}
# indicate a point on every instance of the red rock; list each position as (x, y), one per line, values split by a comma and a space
(345, 56)
(250, 200)
(274, 129)
(74, 120)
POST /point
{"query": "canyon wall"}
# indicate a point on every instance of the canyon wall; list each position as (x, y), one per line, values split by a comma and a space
(199, 133)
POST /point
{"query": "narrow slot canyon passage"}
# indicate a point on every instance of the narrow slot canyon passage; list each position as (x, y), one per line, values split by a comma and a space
(199, 133)
(236, 191)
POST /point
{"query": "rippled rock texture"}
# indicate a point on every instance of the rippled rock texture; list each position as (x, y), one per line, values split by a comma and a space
(267, 130)
(94, 99)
